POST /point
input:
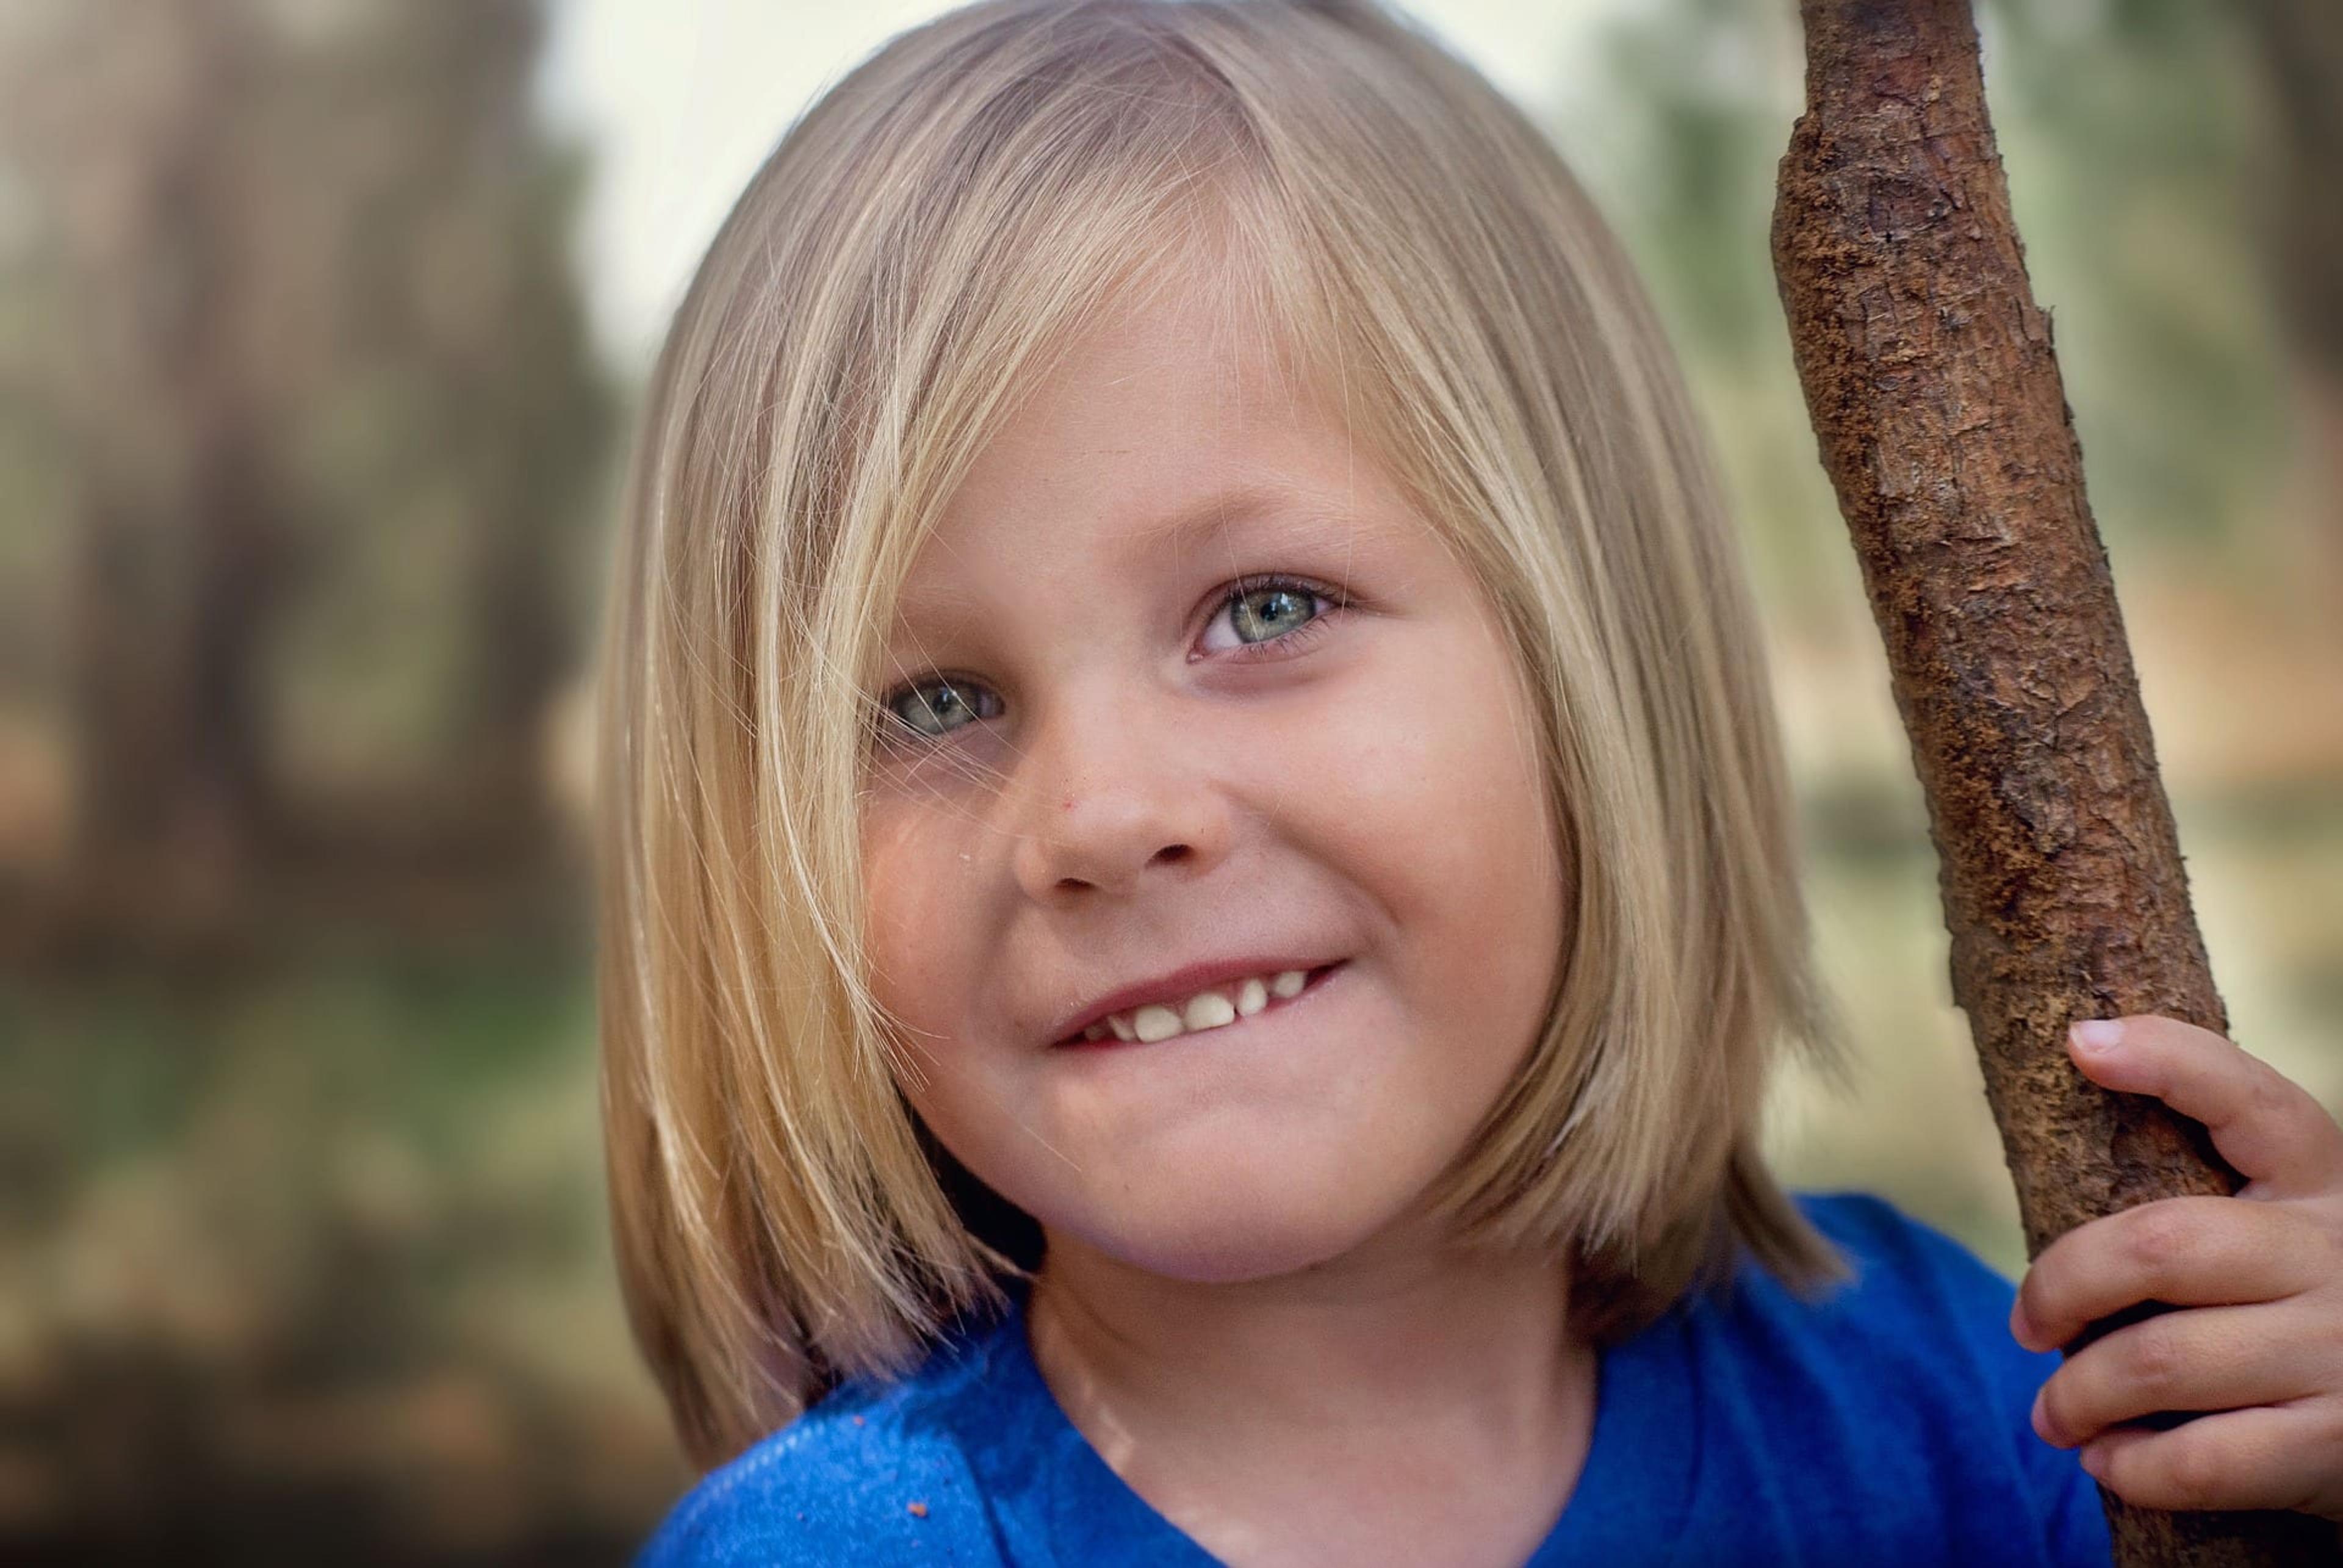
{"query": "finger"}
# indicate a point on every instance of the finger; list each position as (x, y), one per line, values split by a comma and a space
(2194, 1250)
(2277, 1457)
(2264, 1123)
(2193, 1359)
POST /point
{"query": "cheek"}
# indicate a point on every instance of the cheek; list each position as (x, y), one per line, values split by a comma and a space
(1507, 835)
(1473, 866)
(1445, 797)
(925, 966)
(917, 970)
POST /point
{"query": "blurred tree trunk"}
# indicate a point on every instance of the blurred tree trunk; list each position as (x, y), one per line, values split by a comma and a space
(2301, 46)
(2301, 42)
(514, 353)
(175, 571)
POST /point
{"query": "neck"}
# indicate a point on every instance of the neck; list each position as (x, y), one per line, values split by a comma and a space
(1392, 1345)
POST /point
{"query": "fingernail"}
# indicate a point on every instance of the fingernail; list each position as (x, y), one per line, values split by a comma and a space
(2097, 1033)
(2041, 1430)
(2094, 1456)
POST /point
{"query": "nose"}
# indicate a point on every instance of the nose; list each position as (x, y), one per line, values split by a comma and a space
(1117, 793)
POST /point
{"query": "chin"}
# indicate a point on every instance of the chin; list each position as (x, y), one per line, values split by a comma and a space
(1227, 1242)
(1223, 1262)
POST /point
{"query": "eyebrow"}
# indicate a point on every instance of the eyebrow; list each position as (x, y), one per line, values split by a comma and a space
(1315, 517)
(1229, 506)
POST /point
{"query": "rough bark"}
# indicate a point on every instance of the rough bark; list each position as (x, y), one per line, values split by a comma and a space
(1934, 391)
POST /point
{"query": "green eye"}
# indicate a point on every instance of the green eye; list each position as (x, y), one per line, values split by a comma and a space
(1291, 605)
(933, 708)
(1274, 615)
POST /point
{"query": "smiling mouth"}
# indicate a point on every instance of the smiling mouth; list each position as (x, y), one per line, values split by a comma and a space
(1314, 978)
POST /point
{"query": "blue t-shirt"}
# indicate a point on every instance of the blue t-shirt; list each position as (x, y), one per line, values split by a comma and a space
(1887, 1422)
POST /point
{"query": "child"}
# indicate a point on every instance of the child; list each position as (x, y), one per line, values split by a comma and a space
(1200, 892)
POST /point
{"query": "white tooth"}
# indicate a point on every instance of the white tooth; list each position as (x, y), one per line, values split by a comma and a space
(1208, 1009)
(1155, 1022)
(1121, 1024)
(1291, 980)
(1252, 997)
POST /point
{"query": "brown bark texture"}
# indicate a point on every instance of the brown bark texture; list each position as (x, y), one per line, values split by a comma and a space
(1937, 400)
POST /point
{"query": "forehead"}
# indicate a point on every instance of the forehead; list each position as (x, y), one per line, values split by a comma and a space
(1162, 434)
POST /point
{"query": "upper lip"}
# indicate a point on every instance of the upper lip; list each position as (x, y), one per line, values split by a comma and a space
(1178, 986)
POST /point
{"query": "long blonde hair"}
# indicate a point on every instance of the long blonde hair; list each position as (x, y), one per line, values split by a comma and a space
(920, 243)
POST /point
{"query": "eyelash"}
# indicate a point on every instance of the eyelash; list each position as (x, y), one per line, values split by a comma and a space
(1333, 599)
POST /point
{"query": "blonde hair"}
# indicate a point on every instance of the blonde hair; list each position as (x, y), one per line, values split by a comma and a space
(935, 228)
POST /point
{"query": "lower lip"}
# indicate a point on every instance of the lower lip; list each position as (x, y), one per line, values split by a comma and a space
(1310, 988)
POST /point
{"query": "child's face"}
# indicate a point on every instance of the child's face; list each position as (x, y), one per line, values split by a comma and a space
(1120, 793)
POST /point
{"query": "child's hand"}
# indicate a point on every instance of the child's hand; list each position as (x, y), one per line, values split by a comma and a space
(2267, 1351)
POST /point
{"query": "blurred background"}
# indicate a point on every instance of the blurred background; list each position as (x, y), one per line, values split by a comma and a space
(321, 327)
